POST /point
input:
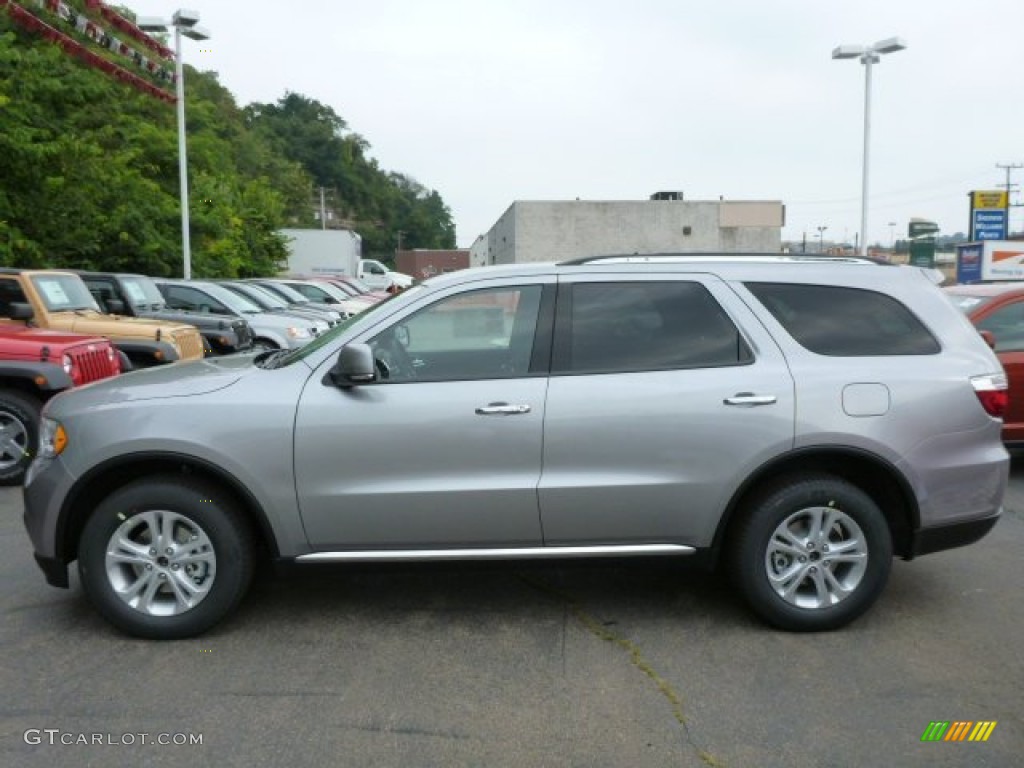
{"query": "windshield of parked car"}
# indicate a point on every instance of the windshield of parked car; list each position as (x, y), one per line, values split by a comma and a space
(64, 293)
(142, 292)
(332, 291)
(258, 295)
(289, 293)
(967, 303)
(230, 299)
(328, 338)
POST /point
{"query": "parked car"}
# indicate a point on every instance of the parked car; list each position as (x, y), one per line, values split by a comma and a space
(295, 299)
(797, 422)
(330, 295)
(60, 301)
(355, 286)
(270, 331)
(35, 365)
(120, 293)
(268, 301)
(998, 309)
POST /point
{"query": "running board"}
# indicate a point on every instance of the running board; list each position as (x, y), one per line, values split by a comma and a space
(518, 553)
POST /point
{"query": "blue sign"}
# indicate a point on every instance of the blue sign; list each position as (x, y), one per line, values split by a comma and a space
(989, 224)
(968, 263)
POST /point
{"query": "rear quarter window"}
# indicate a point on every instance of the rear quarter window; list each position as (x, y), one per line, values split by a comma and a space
(845, 322)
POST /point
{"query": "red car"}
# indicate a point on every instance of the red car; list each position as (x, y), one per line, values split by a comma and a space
(998, 309)
(34, 366)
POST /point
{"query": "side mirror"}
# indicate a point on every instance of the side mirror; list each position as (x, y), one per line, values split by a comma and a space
(21, 311)
(989, 337)
(114, 306)
(354, 366)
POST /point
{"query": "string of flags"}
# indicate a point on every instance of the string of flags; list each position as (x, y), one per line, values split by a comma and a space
(115, 34)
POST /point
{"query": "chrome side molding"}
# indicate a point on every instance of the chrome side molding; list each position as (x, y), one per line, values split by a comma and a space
(513, 553)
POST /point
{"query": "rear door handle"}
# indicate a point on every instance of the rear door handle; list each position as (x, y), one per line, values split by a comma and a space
(502, 409)
(749, 399)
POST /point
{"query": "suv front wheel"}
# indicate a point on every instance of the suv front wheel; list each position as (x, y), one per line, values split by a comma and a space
(165, 557)
(812, 554)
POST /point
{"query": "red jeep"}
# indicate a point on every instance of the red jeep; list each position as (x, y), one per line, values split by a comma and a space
(34, 366)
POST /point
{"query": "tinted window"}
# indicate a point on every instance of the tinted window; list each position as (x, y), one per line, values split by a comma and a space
(845, 322)
(644, 326)
(1007, 325)
(484, 334)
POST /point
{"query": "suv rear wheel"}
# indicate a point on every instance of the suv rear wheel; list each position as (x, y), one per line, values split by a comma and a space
(165, 557)
(812, 554)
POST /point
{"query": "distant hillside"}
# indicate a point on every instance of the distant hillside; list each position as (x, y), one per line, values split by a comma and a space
(89, 173)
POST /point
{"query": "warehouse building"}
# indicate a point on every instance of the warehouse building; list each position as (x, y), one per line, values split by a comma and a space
(554, 231)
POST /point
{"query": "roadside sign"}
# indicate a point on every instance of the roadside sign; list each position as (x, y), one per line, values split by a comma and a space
(919, 228)
(989, 224)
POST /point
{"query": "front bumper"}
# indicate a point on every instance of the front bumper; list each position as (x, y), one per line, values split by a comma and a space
(47, 485)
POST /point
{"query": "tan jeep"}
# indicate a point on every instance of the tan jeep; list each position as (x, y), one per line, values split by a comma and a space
(61, 301)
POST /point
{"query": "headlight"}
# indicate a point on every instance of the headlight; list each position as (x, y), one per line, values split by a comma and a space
(298, 333)
(67, 364)
(52, 438)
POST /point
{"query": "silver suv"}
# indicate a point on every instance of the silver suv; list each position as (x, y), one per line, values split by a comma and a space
(798, 422)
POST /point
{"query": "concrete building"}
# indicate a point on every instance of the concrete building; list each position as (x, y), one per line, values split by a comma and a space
(555, 231)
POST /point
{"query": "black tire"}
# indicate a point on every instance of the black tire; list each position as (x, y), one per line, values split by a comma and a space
(204, 520)
(126, 364)
(19, 434)
(820, 540)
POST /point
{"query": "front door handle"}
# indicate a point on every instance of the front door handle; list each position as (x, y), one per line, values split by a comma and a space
(502, 409)
(749, 399)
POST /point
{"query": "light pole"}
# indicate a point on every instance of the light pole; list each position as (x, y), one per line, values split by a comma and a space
(185, 23)
(868, 55)
(821, 239)
(892, 236)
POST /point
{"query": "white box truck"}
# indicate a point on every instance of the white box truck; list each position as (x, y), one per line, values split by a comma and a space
(990, 260)
(337, 252)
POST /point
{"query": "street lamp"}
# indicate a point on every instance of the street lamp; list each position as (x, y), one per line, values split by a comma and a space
(821, 239)
(868, 55)
(185, 23)
(892, 235)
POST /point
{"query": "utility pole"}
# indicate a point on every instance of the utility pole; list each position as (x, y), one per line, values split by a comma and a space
(1009, 168)
(323, 210)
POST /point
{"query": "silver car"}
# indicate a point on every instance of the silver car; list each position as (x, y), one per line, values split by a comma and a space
(796, 422)
(270, 330)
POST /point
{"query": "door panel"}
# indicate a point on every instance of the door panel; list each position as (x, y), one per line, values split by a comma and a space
(645, 456)
(449, 462)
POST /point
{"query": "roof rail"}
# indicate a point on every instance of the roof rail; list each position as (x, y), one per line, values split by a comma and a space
(632, 258)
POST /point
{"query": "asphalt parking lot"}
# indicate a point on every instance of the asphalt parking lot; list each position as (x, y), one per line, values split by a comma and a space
(648, 665)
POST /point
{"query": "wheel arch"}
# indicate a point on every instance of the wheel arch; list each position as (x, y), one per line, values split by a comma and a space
(875, 476)
(107, 477)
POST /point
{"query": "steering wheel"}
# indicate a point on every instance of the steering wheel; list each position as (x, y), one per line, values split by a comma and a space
(393, 361)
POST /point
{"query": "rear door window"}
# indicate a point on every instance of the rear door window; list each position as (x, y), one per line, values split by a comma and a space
(620, 327)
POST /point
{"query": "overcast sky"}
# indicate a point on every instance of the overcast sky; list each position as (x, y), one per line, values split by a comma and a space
(489, 102)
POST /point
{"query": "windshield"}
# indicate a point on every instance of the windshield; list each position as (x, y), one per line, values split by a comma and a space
(64, 293)
(327, 338)
(142, 292)
(230, 299)
(965, 302)
(290, 294)
(258, 295)
(358, 284)
(331, 290)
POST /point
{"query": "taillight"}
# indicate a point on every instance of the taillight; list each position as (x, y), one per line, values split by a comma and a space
(993, 393)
